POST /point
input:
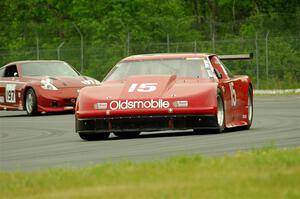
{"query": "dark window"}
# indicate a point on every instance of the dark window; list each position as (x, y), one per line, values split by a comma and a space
(11, 71)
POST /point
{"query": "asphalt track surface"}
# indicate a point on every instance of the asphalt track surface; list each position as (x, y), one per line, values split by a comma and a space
(33, 143)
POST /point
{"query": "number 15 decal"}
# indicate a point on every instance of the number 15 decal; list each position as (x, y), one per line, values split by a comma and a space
(142, 88)
(232, 94)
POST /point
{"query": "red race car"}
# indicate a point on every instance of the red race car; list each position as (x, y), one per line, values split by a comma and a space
(40, 86)
(165, 92)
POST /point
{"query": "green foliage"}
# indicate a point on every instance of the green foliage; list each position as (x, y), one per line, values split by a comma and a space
(113, 29)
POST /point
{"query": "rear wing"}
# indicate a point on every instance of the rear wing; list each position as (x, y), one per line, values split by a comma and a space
(236, 57)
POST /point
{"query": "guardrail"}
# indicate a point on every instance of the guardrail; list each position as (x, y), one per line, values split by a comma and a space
(277, 91)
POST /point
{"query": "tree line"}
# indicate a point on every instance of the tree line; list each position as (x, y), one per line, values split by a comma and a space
(112, 29)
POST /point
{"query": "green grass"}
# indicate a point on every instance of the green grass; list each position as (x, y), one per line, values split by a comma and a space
(264, 173)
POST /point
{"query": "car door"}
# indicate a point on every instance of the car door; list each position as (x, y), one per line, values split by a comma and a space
(10, 86)
(229, 85)
(2, 87)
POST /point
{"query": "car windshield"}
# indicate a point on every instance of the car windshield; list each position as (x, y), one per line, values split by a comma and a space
(48, 69)
(188, 67)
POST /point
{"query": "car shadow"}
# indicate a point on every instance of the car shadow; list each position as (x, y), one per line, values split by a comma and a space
(156, 135)
(167, 134)
(175, 134)
(8, 116)
(18, 114)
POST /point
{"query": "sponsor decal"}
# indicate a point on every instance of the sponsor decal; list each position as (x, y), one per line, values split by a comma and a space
(132, 104)
(210, 70)
(1, 99)
(210, 73)
(181, 104)
(148, 104)
(207, 65)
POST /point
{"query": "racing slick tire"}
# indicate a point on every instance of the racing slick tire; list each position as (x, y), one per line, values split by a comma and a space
(221, 113)
(220, 117)
(31, 102)
(94, 136)
(129, 134)
(250, 109)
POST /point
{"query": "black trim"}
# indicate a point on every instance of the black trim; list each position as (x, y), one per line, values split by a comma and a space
(146, 123)
(236, 57)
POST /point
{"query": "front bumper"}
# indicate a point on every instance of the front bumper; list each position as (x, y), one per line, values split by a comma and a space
(57, 101)
(145, 123)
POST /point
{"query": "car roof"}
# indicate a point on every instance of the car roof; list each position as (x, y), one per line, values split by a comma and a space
(32, 61)
(165, 56)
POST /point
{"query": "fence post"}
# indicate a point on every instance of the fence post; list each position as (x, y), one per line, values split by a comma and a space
(195, 46)
(168, 43)
(81, 47)
(37, 48)
(58, 50)
(212, 31)
(213, 41)
(128, 44)
(267, 56)
(257, 56)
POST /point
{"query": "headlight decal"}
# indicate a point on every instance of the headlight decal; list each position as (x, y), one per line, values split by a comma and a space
(48, 84)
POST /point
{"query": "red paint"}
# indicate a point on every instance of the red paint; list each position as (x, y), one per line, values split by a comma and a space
(68, 87)
(201, 94)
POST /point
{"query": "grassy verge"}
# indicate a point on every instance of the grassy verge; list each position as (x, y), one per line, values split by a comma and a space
(266, 173)
(277, 92)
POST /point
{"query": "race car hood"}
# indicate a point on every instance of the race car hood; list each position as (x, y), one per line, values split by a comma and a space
(67, 81)
(75, 82)
(163, 92)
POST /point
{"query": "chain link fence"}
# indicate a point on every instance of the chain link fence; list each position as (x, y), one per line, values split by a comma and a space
(276, 62)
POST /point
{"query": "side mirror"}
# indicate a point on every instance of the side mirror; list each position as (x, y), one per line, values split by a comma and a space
(16, 74)
(218, 74)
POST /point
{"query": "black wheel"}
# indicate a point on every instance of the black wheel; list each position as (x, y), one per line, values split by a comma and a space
(31, 102)
(221, 112)
(94, 136)
(128, 134)
(220, 117)
(250, 108)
